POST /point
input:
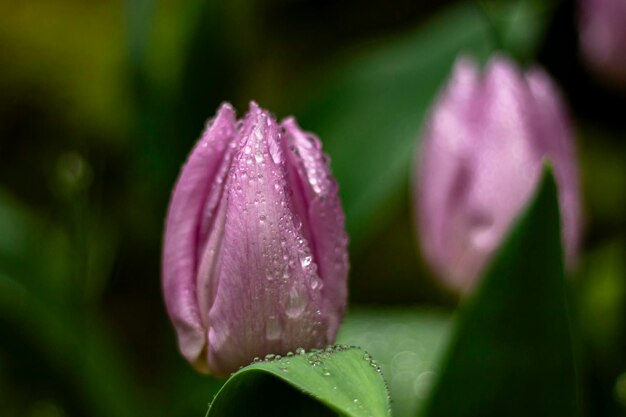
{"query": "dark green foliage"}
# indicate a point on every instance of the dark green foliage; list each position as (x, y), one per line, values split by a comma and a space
(511, 353)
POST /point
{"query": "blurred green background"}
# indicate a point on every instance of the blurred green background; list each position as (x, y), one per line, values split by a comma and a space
(101, 101)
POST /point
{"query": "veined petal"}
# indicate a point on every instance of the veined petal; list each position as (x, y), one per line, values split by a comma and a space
(316, 200)
(268, 295)
(506, 169)
(181, 240)
(603, 37)
(555, 143)
(444, 171)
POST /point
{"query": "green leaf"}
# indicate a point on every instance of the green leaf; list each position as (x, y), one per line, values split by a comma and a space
(519, 25)
(511, 353)
(406, 342)
(370, 113)
(336, 381)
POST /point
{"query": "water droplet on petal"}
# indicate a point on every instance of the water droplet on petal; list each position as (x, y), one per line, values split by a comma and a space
(315, 283)
(306, 259)
(481, 231)
(296, 303)
(275, 151)
(273, 329)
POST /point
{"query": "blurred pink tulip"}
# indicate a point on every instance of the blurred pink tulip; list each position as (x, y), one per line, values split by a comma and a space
(255, 253)
(603, 37)
(482, 155)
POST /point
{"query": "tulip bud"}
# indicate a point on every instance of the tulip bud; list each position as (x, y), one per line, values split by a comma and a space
(603, 37)
(255, 252)
(482, 156)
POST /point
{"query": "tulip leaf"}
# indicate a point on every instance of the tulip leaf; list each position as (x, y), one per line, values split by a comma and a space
(519, 25)
(511, 352)
(369, 113)
(406, 342)
(339, 380)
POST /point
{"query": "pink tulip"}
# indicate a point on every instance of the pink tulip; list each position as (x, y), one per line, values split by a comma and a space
(603, 37)
(482, 156)
(255, 253)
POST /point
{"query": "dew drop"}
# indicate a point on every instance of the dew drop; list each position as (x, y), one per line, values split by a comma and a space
(312, 142)
(306, 260)
(273, 328)
(315, 283)
(275, 151)
(296, 303)
(480, 226)
(423, 384)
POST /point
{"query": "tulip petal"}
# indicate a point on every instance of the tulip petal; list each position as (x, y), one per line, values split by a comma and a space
(444, 170)
(316, 199)
(268, 296)
(182, 237)
(603, 37)
(555, 141)
(506, 168)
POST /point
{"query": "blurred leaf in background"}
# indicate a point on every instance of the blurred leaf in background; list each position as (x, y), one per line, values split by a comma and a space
(370, 113)
(407, 343)
(518, 26)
